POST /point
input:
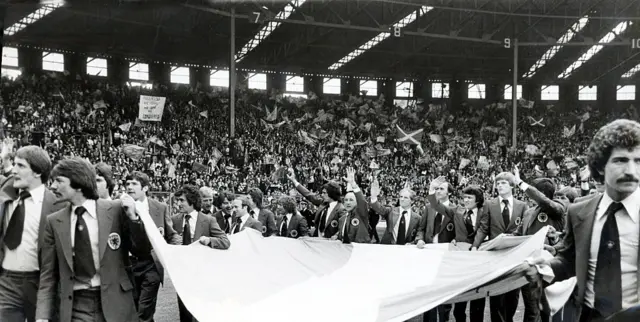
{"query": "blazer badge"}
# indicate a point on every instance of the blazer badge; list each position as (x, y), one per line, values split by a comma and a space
(114, 241)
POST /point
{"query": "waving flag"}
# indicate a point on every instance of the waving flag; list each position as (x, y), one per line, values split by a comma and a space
(409, 138)
(407, 280)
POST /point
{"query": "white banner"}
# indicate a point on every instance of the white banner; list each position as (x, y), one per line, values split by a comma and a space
(259, 278)
(151, 108)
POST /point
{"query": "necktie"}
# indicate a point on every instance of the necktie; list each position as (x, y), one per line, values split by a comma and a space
(505, 214)
(437, 224)
(322, 224)
(469, 223)
(252, 214)
(83, 265)
(284, 229)
(345, 233)
(607, 283)
(13, 236)
(402, 230)
(236, 229)
(227, 226)
(186, 232)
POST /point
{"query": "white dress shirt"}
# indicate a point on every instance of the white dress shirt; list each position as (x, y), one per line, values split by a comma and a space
(474, 216)
(435, 238)
(91, 220)
(243, 220)
(25, 257)
(192, 223)
(332, 205)
(256, 213)
(407, 221)
(510, 200)
(629, 231)
(142, 205)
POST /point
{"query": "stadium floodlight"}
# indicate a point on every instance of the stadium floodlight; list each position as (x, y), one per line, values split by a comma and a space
(571, 32)
(33, 17)
(268, 29)
(616, 31)
(631, 72)
(380, 37)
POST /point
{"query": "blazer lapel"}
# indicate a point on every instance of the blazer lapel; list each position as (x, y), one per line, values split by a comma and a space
(395, 214)
(582, 234)
(63, 227)
(413, 221)
(105, 223)
(333, 213)
(293, 223)
(497, 214)
(199, 227)
(177, 221)
(154, 212)
(47, 207)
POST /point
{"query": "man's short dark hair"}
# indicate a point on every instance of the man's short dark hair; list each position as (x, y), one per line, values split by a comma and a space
(81, 175)
(104, 170)
(141, 177)
(477, 192)
(192, 194)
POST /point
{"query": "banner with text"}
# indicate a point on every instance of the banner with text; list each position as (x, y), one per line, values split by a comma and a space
(151, 108)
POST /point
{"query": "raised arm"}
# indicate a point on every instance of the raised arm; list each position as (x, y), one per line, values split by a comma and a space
(375, 205)
(555, 209)
(312, 197)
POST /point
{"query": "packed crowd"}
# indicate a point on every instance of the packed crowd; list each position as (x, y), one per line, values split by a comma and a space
(317, 137)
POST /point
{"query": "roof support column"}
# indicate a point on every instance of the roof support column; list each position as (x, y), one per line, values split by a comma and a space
(232, 75)
(514, 96)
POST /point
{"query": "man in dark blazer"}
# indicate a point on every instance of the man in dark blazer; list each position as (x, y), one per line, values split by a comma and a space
(224, 215)
(354, 226)
(291, 224)
(547, 212)
(148, 272)
(242, 217)
(195, 227)
(437, 226)
(263, 215)
(396, 217)
(25, 203)
(467, 222)
(601, 233)
(501, 215)
(85, 245)
(330, 209)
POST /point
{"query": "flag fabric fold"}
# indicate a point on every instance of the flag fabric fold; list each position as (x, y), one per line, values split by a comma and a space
(388, 282)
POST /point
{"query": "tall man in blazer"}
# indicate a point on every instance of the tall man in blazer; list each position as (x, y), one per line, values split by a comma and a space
(25, 203)
(437, 225)
(600, 246)
(547, 212)
(330, 209)
(196, 227)
(263, 215)
(148, 272)
(501, 215)
(85, 247)
(242, 218)
(402, 222)
(291, 224)
(467, 222)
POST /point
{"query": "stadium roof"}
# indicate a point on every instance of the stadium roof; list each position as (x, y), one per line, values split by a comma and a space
(440, 39)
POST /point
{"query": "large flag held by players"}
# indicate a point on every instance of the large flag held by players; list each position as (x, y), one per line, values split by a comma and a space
(310, 279)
